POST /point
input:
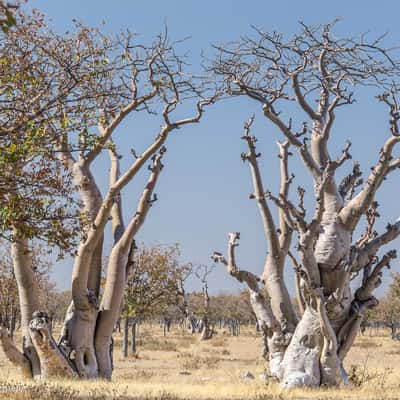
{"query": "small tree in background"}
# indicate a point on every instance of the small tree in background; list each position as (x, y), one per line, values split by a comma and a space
(202, 273)
(388, 309)
(154, 282)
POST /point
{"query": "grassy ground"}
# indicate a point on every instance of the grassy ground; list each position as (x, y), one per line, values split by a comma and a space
(213, 370)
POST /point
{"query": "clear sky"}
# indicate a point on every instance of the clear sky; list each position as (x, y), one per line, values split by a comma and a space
(203, 191)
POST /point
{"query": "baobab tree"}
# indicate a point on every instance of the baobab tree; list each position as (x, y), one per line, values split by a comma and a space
(103, 80)
(318, 73)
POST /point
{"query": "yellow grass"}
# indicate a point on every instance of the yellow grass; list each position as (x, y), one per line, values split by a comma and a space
(216, 371)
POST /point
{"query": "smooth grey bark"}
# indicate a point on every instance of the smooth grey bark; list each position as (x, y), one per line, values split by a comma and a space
(305, 70)
(92, 349)
(311, 352)
(28, 296)
(120, 257)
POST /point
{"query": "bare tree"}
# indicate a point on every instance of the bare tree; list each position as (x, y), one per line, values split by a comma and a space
(202, 272)
(183, 303)
(311, 68)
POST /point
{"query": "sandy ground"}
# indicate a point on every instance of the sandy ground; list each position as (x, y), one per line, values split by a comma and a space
(179, 366)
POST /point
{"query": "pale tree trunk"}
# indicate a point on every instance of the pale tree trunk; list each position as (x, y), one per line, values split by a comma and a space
(40, 357)
(121, 258)
(90, 325)
(310, 352)
(189, 320)
(206, 331)
(28, 296)
(87, 329)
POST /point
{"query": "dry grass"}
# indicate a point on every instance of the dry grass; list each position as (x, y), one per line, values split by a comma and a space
(215, 369)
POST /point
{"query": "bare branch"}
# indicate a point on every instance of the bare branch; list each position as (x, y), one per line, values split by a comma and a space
(118, 226)
(302, 148)
(372, 279)
(285, 236)
(352, 212)
(259, 194)
(145, 201)
(301, 99)
(299, 295)
(289, 210)
(351, 182)
(367, 253)
(260, 304)
(369, 234)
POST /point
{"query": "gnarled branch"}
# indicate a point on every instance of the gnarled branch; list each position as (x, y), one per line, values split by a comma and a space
(261, 305)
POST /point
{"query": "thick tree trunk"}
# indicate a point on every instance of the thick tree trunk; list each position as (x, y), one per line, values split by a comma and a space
(28, 297)
(301, 362)
(80, 339)
(110, 309)
(82, 323)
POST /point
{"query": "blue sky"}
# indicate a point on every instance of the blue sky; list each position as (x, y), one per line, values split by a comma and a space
(204, 188)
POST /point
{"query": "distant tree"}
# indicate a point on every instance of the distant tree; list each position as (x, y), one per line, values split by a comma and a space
(388, 309)
(202, 273)
(184, 308)
(234, 310)
(154, 281)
